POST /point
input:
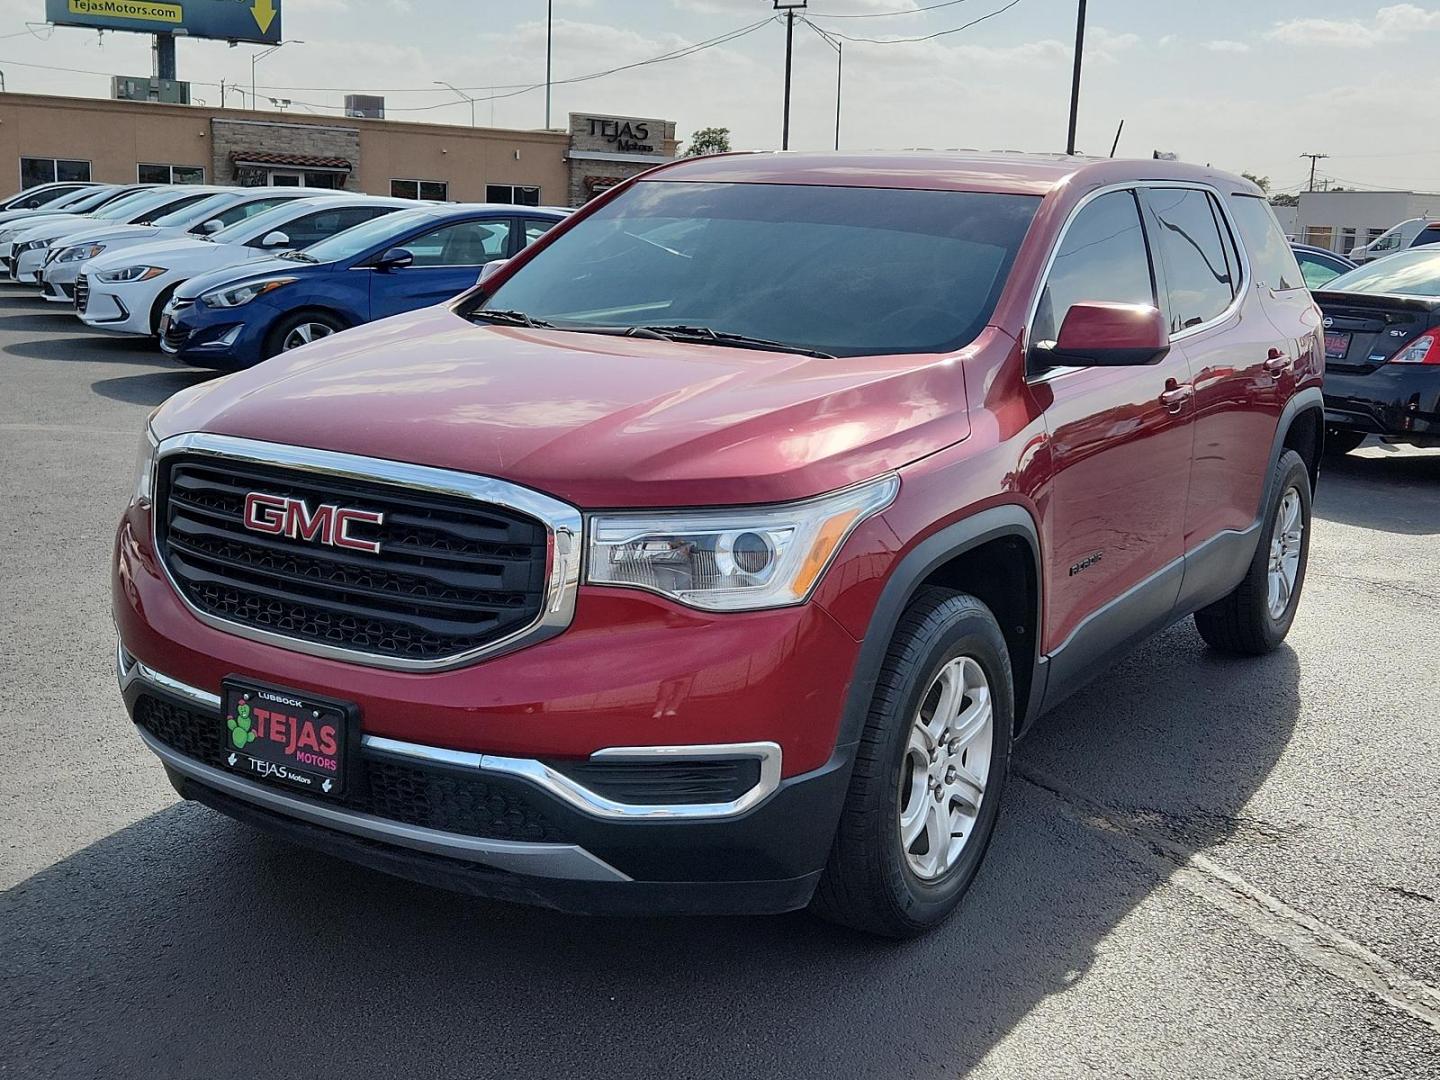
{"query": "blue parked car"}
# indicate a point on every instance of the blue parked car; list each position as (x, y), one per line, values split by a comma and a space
(239, 316)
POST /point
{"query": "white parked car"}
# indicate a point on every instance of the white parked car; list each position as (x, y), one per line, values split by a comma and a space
(109, 208)
(32, 246)
(73, 202)
(70, 254)
(126, 291)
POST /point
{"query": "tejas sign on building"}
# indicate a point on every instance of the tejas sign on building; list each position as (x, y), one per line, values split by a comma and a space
(230, 20)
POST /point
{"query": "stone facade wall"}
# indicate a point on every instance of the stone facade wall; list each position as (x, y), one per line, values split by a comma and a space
(637, 142)
(253, 136)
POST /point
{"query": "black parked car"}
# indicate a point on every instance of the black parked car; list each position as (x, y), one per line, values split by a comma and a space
(1319, 266)
(1382, 351)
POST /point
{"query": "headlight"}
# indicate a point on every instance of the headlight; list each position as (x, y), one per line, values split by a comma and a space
(130, 273)
(237, 295)
(80, 253)
(33, 245)
(732, 560)
(143, 486)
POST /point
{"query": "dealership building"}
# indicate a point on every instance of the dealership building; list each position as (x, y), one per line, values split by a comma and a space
(50, 138)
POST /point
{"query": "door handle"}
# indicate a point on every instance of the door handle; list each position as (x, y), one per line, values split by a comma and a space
(1277, 361)
(1174, 396)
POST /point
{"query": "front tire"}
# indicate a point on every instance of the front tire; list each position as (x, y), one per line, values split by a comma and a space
(1256, 616)
(929, 772)
(299, 329)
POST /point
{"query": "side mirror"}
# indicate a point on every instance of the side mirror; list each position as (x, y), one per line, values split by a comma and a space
(211, 227)
(275, 239)
(396, 258)
(489, 270)
(1108, 335)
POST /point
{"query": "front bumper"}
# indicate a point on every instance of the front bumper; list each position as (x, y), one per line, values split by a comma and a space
(123, 307)
(507, 828)
(28, 264)
(1396, 401)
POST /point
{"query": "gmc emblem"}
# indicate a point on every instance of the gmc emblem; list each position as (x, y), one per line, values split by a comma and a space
(280, 515)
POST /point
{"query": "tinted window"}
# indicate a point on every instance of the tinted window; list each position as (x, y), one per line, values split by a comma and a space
(536, 228)
(1428, 235)
(1409, 273)
(1197, 276)
(1271, 259)
(230, 215)
(468, 243)
(1316, 271)
(308, 229)
(1103, 257)
(844, 270)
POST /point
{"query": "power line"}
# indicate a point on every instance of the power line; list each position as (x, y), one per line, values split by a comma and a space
(1313, 159)
(887, 14)
(926, 37)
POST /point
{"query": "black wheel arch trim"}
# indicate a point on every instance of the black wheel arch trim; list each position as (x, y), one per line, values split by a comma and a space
(914, 567)
(1307, 399)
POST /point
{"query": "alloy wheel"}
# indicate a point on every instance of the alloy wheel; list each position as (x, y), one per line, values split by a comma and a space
(946, 766)
(1285, 540)
(304, 334)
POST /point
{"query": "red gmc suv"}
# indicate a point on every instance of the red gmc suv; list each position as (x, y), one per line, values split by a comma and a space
(711, 555)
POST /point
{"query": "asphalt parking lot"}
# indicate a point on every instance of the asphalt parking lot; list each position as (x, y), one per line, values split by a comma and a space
(1206, 867)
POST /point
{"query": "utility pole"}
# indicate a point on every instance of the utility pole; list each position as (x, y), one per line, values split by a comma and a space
(789, 7)
(1313, 159)
(1075, 79)
(549, 34)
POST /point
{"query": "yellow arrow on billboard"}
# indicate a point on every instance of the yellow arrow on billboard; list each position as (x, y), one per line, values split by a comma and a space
(264, 12)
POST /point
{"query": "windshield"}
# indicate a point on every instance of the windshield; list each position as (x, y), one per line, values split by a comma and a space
(85, 200)
(195, 211)
(1409, 273)
(126, 205)
(277, 217)
(353, 241)
(849, 271)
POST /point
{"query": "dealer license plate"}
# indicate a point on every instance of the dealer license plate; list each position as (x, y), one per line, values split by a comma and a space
(287, 737)
(1337, 344)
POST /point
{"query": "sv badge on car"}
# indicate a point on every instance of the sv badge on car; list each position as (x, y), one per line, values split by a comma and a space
(281, 515)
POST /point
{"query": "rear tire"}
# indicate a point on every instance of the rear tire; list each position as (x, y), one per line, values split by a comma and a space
(947, 664)
(1342, 440)
(1255, 618)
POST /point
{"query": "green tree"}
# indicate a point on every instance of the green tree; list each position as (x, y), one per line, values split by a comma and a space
(1262, 182)
(710, 140)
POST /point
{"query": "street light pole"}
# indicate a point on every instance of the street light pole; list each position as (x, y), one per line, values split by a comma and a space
(1075, 80)
(255, 58)
(789, 7)
(549, 34)
(467, 97)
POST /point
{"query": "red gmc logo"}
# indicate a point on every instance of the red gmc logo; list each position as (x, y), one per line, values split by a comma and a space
(279, 515)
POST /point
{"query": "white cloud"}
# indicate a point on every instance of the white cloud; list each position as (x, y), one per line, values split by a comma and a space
(1389, 24)
(1225, 46)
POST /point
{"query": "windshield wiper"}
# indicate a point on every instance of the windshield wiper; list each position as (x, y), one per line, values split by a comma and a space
(508, 318)
(704, 335)
(297, 256)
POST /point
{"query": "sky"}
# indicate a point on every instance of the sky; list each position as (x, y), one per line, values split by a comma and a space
(1242, 84)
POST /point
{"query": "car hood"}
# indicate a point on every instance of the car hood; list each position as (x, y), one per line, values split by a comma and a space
(191, 256)
(49, 225)
(599, 421)
(234, 275)
(101, 233)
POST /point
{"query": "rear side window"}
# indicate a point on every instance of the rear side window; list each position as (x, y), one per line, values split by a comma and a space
(233, 214)
(1271, 259)
(1198, 277)
(1428, 235)
(1102, 258)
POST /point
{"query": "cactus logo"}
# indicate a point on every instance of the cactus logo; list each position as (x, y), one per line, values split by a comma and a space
(241, 725)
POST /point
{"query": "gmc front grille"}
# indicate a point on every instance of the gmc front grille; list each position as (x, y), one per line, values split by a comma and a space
(454, 577)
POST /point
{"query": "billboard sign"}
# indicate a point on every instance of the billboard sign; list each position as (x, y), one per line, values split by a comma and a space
(231, 20)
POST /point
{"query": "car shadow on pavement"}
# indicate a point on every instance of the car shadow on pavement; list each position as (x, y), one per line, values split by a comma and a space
(51, 320)
(152, 387)
(186, 944)
(1397, 492)
(90, 350)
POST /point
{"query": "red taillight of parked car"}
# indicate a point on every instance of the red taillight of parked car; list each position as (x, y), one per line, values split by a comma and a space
(1423, 350)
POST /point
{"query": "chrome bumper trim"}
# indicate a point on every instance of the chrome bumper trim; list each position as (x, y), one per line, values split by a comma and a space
(541, 775)
(537, 860)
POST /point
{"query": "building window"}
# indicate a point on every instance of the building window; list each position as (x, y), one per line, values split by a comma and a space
(44, 170)
(437, 190)
(1322, 236)
(333, 180)
(1371, 235)
(512, 193)
(1347, 240)
(170, 174)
